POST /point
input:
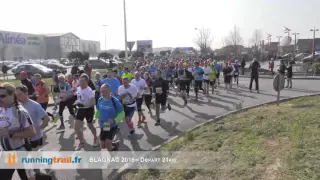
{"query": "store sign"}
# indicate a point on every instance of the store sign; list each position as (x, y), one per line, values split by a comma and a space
(8, 38)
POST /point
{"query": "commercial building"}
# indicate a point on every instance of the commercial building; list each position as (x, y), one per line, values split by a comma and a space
(144, 46)
(15, 45)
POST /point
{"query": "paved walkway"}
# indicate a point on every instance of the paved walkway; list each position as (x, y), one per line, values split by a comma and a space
(174, 122)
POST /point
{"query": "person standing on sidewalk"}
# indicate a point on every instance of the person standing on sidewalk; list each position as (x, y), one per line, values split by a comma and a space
(254, 68)
(271, 66)
(289, 75)
(243, 64)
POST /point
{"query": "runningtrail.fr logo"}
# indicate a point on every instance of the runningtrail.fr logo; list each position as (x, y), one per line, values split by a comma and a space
(12, 159)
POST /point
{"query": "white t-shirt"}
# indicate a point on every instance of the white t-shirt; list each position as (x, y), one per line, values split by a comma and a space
(141, 84)
(207, 71)
(84, 96)
(130, 95)
(9, 118)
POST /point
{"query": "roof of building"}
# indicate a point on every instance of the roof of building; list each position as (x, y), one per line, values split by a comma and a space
(58, 34)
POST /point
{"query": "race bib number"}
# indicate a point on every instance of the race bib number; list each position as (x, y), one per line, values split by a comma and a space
(159, 90)
(236, 73)
(106, 127)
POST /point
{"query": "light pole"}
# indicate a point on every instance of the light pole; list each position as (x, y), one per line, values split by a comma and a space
(314, 39)
(287, 30)
(295, 42)
(125, 30)
(105, 37)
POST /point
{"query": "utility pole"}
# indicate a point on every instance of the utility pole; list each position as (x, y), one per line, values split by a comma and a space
(125, 30)
(235, 41)
(105, 37)
(295, 42)
(314, 41)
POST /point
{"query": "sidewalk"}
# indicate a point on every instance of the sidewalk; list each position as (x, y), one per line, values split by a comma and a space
(294, 77)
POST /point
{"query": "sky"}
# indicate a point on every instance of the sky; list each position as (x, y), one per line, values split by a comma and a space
(168, 23)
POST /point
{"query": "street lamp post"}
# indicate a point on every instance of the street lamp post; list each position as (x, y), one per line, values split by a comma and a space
(125, 30)
(287, 30)
(105, 37)
(314, 39)
(295, 42)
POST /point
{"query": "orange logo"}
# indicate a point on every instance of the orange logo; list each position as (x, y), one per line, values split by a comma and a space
(12, 159)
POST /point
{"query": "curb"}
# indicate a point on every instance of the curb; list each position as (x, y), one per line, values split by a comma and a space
(125, 169)
(271, 77)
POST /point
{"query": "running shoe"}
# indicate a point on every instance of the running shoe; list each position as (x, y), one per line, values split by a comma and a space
(169, 107)
(95, 142)
(157, 123)
(55, 119)
(115, 146)
(79, 147)
(132, 133)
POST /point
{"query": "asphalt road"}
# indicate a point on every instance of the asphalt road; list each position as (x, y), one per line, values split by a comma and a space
(173, 122)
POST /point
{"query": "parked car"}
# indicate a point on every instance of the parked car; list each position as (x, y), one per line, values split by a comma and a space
(98, 64)
(57, 66)
(13, 64)
(32, 69)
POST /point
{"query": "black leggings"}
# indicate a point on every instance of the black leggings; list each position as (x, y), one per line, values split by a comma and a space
(197, 86)
(45, 106)
(6, 174)
(147, 100)
(62, 106)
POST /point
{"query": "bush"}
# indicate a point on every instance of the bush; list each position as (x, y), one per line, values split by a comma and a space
(316, 68)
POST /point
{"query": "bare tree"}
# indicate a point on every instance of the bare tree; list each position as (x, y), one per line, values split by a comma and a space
(256, 38)
(204, 40)
(234, 38)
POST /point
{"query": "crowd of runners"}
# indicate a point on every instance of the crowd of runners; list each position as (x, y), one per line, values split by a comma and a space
(108, 99)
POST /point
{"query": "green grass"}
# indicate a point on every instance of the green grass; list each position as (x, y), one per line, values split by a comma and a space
(270, 142)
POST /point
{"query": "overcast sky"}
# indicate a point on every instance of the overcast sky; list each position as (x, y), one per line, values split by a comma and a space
(169, 23)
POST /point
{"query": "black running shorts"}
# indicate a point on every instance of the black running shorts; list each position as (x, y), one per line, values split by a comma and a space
(104, 135)
(86, 113)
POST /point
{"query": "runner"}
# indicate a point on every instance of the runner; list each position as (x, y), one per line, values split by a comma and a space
(148, 92)
(110, 113)
(16, 126)
(141, 86)
(42, 94)
(198, 78)
(66, 97)
(127, 74)
(85, 104)
(183, 76)
(128, 95)
(160, 88)
(113, 82)
(218, 69)
(207, 71)
(227, 70)
(212, 77)
(98, 83)
(38, 115)
(236, 67)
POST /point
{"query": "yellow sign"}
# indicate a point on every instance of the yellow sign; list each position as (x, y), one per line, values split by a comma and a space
(12, 159)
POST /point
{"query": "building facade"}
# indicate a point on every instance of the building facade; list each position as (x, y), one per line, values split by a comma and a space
(14, 45)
